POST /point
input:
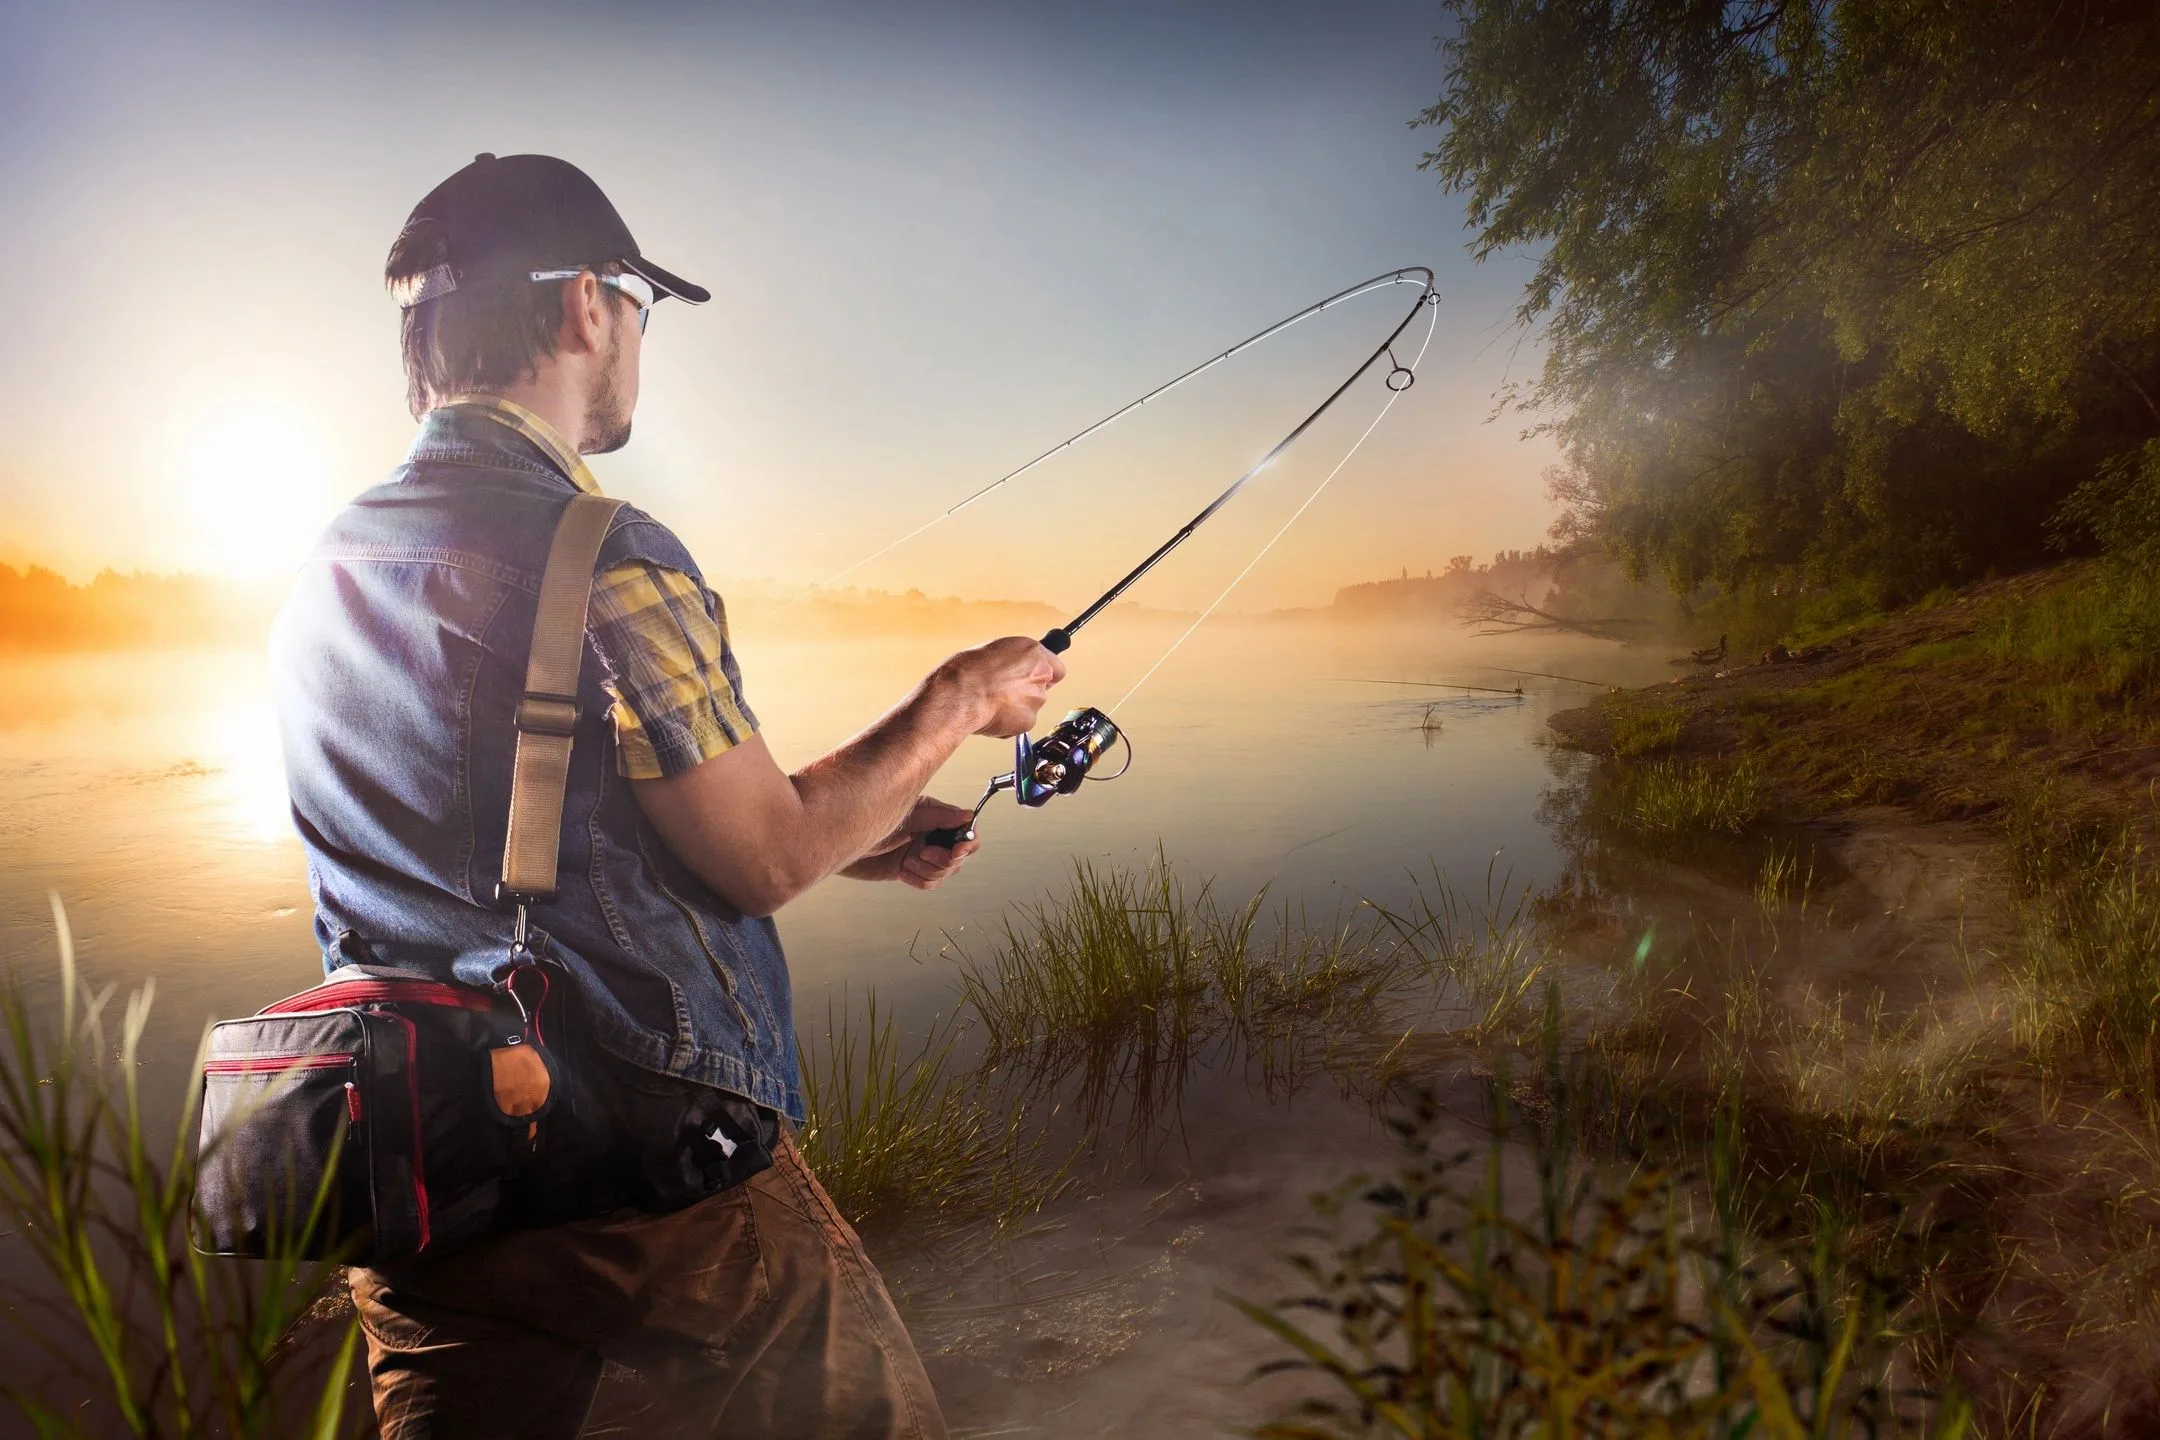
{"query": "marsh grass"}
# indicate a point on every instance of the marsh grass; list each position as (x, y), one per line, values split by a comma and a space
(1486, 955)
(1640, 727)
(1125, 983)
(1669, 803)
(145, 1336)
(899, 1131)
(1450, 1299)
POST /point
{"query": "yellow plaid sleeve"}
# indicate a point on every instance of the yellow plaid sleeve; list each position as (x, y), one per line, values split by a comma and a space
(677, 689)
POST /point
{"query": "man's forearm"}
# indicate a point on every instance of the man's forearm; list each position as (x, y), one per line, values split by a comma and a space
(861, 792)
(760, 837)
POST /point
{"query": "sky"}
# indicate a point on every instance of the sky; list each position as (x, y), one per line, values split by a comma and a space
(940, 237)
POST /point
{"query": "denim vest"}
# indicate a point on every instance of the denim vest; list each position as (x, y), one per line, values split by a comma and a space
(398, 661)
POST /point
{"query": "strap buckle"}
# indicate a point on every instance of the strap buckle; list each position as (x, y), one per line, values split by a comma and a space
(540, 713)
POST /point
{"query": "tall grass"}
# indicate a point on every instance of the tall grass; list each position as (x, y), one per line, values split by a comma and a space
(2085, 986)
(900, 1132)
(1670, 802)
(1447, 1299)
(144, 1336)
(1640, 727)
(1128, 980)
(1487, 956)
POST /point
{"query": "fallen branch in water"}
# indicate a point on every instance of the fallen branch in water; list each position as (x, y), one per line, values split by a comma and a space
(1490, 613)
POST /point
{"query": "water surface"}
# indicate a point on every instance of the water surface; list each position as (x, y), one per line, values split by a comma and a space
(145, 790)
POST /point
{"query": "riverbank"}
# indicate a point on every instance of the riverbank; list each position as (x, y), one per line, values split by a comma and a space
(1901, 893)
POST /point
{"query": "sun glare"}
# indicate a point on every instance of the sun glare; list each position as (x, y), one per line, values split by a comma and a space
(258, 486)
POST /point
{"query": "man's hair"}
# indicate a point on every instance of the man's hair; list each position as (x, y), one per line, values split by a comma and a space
(481, 336)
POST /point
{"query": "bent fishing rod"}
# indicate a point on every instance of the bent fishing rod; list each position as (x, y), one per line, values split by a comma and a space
(1070, 754)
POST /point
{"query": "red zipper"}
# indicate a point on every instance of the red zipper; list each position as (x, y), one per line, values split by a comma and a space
(253, 1064)
(340, 993)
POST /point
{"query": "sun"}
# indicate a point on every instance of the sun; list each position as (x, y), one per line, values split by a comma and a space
(258, 491)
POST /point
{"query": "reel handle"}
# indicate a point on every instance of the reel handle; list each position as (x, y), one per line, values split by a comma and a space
(946, 839)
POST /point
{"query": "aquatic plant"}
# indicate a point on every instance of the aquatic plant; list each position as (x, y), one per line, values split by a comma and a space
(144, 1336)
(1128, 979)
(1486, 955)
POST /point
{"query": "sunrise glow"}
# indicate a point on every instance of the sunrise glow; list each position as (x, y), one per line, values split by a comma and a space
(257, 482)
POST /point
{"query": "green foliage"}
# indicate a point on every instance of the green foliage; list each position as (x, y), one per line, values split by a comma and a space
(1585, 1303)
(154, 1339)
(2120, 506)
(1833, 289)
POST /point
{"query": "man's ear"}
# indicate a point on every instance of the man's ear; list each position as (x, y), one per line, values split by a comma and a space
(585, 317)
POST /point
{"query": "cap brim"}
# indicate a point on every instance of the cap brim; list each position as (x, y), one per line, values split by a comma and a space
(666, 283)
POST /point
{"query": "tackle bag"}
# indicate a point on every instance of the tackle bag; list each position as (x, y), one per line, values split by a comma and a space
(370, 1117)
(383, 1114)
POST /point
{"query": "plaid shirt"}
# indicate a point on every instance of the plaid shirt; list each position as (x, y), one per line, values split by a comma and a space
(677, 689)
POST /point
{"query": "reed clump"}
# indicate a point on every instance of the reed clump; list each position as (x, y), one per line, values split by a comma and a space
(1670, 802)
(142, 1335)
(1131, 974)
(898, 1130)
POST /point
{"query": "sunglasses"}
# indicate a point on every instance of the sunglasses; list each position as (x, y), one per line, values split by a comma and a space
(635, 288)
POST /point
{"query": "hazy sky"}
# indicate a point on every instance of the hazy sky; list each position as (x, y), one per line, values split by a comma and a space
(939, 237)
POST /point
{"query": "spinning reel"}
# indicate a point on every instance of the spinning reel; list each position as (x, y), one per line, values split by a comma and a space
(1055, 765)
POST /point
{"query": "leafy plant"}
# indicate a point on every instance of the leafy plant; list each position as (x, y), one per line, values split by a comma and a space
(1448, 1301)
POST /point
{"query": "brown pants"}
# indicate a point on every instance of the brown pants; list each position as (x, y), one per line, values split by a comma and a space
(756, 1311)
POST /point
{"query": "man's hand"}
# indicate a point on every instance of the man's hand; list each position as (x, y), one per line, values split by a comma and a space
(1008, 680)
(903, 856)
(760, 837)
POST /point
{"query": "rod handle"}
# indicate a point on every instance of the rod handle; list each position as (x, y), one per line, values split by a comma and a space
(1058, 641)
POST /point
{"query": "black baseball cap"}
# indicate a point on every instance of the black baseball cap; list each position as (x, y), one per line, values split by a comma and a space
(507, 215)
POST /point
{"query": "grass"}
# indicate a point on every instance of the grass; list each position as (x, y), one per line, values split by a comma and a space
(1128, 980)
(899, 1132)
(145, 1336)
(1641, 727)
(1669, 804)
(2086, 984)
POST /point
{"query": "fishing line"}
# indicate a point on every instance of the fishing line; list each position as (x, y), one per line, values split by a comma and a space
(1071, 753)
(1418, 275)
(1394, 394)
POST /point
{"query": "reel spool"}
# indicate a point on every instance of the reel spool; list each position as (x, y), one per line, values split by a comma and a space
(1055, 765)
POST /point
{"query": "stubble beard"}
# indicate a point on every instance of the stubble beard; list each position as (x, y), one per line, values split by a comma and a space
(607, 417)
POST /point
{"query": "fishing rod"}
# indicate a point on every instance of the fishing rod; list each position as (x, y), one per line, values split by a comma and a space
(1070, 753)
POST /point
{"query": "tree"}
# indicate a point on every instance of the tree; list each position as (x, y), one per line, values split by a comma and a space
(1842, 289)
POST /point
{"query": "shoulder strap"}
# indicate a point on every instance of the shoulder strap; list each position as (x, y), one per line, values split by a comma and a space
(547, 715)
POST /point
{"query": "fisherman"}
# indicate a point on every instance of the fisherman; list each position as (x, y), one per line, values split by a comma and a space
(400, 662)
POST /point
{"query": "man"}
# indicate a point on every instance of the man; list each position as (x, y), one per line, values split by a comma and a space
(400, 661)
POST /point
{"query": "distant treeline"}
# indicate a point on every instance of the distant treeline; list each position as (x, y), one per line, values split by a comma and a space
(42, 610)
(1839, 296)
(1441, 595)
